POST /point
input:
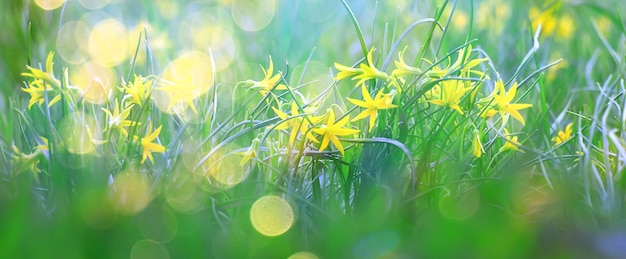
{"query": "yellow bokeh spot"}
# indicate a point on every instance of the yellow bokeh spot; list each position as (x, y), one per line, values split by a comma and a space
(220, 171)
(72, 34)
(253, 15)
(604, 25)
(221, 43)
(130, 192)
(167, 8)
(77, 131)
(94, 81)
(49, 4)
(271, 215)
(149, 249)
(566, 27)
(182, 193)
(108, 43)
(183, 81)
(303, 255)
(94, 4)
(158, 41)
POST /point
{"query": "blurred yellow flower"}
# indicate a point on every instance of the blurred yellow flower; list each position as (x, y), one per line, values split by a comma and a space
(269, 81)
(180, 93)
(147, 146)
(477, 146)
(380, 102)
(297, 124)
(563, 135)
(138, 90)
(451, 93)
(500, 101)
(331, 129)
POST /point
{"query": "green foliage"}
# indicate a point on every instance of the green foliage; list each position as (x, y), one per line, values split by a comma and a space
(472, 130)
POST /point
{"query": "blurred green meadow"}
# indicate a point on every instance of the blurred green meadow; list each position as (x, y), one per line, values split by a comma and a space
(312, 129)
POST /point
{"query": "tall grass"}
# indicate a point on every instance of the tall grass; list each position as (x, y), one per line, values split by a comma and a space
(406, 131)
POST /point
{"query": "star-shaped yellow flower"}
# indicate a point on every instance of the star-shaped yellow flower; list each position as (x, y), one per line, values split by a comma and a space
(563, 136)
(147, 146)
(500, 101)
(117, 119)
(300, 124)
(42, 82)
(380, 102)
(269, 81)
(451, 92)
(138, 90)
(331, 129)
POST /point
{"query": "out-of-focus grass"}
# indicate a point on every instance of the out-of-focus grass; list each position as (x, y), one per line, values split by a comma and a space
(415, 184)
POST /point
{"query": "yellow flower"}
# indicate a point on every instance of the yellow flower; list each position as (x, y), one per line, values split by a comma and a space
(500, 101)
(269, 81)
(297, 124)
(346, 72)
(563, 136)
(180, 93)
(23, 162)
(380, 102)
(139, 90)
(147, 146)
(477, 146)
(250, 153)
(545, 18)
(331, 129)
(42, 82)
(451, 93)
(117, 119)
(511, 143)
(44, 146)
(369, 71)
(47, 76)
(403, 69)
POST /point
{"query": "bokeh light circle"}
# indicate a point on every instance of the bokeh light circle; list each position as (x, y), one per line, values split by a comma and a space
(130, 192)
(77, 130)
(459, 203)
(94, 4)
(271, 215)
(72, 34)
(253, 15)
(158, 223)
(303, 255)
(184, 80)
(149, 249)
(108, 43)
(94, 81)
(49, 4)
(313, 81)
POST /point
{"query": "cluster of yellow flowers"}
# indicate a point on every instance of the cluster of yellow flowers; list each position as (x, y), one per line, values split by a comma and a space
(449, 86)
(131, 102)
